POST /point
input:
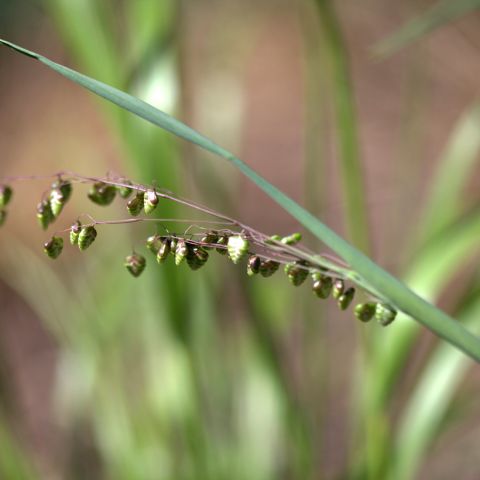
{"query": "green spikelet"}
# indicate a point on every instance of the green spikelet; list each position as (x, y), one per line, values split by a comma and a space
(345, 299)
(237, 248)
(173, 244)
(3, 216)
(44, 214)
(181, 251)
(135, 205)
(125, 191)
(57, 201)
(53, 248)
(164, 250)
(253, 265)
(154, 242)
(75, 232)
(322, 285)
(222, 240)
(6, 193)
(65, 187)
(150, 201)
(102, 193)
(292, 239)
(86, 237)
(196, 257)
(268, 268)
(296, 272)
(210, 237)
(338, 288)
(385, 314)
(135, 264)
(274, 238)
(365, 311)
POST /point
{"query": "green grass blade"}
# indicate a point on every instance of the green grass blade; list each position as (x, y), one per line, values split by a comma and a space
(430, 400)
(455, 168)
(438, 15)
(344, 103)
(389, 287)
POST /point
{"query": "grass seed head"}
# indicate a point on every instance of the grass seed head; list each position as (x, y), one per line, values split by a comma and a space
(53, 248)
(338, 288)
(365, 311)
(150, 201)
(135, 264)
(253, 265)
(345, 299)
(237, 247)
(125, 191)
(385, 314)
(135, 205)
(75, 230)
(102, 194)
(322, 285)
(86, 237)
(44, 214)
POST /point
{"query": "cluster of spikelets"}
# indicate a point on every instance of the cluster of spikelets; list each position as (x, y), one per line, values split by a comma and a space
(237, 246)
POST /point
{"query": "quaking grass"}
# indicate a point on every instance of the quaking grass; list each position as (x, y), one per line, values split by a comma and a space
(264, 254)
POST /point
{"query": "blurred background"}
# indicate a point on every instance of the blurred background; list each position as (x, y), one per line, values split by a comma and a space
(211, 374)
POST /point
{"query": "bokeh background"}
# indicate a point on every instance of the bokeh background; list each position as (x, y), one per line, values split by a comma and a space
(210, 374)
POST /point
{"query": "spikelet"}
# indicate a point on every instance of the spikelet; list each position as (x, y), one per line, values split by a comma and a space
(102, 194)
(124, 191)
(65, 187)
(345, 299)
(268, 268)
(253, 265)
(135, 264)
(385, 314)
(150, 201)
(154, 243)
(53, 248)
(164, 250)
(237, 248)
(223, 241)
(135, 205)
(181, 251)
(196, 257)
(209, 238)
(75, 230)
(338, 288)
(365, 311)
(86, 237)
(296, 272)
(322, 285)
(57, 201)
(6, 193)
(44, 214)
(292, 239)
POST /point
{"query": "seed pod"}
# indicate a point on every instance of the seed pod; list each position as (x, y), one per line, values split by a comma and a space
(44, 214)
(135, 264)
(164, 250)
(102, 193)
(86, 237)
(57, 201)
(197, 257)
(292, 239)
(6, 193)
(345, 299)
(338, 288)
(75, 232)
(154, 242)
(173, 244)
(181, 251)
(124, 191)
(322, 285)
(223, 240)
(53, 248)
(385, 314)
(365, 311)
(296, 272)
(253, 265)
(150, 201)
(210, 237)
(135, 205)
(237, 248)
(3, 216)
(273, 239)
(65, 187)
(268, 268)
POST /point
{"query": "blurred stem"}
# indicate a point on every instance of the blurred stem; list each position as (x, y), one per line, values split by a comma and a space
(344, 105)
